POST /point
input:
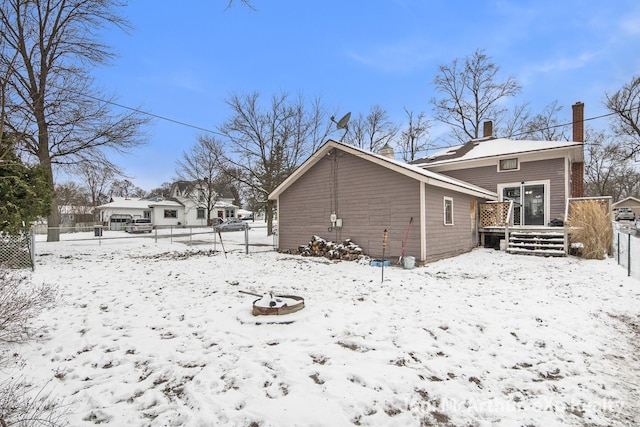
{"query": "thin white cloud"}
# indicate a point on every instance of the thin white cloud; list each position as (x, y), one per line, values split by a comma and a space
(402, 57)
(631, 25)
(567, 63)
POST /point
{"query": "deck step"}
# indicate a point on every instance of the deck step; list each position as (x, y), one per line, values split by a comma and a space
(541, 243)
(540, 252)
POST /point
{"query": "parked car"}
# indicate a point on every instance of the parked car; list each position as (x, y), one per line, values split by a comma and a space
(625, 214)
(138, 225)
(231, 224)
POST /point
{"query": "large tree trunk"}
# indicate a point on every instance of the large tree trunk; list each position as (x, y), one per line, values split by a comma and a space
(53, 220)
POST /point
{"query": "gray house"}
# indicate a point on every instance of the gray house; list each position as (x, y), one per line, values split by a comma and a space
(342, 192)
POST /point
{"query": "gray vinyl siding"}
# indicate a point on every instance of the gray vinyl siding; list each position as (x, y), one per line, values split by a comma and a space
(487, 177)
(369, 199)
(445, 241)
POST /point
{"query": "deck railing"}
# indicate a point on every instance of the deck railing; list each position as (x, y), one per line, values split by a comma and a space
(496, 214)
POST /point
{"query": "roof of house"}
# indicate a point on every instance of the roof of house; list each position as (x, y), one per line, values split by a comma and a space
(136, 203)
(496, 147)
(626, 200)
(413, 171)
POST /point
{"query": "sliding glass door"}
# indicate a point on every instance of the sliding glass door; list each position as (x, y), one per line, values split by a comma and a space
(529, 202)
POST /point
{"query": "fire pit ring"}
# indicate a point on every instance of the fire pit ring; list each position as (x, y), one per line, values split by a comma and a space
(277, 305)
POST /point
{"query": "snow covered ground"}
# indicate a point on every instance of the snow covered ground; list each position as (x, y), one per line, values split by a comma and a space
(156, 333)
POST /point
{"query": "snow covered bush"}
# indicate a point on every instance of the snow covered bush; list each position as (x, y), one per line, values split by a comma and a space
(22, 404)
(20, 302)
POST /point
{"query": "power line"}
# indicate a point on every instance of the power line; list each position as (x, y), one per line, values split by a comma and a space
(139, 111)
(181, 123)
(566, 124)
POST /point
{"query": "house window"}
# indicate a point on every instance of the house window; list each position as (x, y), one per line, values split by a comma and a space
(508, 165)
(170, 213)
(146, 214)
(200, 214)
(448, 211)
(201, 195)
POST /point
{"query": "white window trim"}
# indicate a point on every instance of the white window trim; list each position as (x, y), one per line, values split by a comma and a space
(547, 194)
(517, 168)
(444, 209)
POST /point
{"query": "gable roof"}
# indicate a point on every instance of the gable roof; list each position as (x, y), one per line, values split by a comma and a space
(412, 171)
(628, 199)
(486, 148)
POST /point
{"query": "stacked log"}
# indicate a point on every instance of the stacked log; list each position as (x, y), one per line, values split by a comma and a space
(319, 247)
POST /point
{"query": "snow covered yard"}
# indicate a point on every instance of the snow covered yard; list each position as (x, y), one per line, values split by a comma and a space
(157, 334)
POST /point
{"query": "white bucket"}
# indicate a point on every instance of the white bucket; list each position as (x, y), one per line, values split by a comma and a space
(409, 262)
(503, 245)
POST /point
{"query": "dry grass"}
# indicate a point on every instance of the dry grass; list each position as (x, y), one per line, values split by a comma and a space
(592, 222)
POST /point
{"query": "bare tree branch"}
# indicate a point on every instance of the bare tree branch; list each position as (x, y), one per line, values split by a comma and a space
(625, 103)
(53, 110)
(472, 93)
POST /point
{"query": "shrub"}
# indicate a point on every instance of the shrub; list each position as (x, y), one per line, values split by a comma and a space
(21, 403)
(591, 223)
(20, 302)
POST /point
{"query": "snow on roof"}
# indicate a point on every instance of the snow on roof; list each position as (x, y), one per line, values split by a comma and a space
(484, 148)
(129, 203)
(414, 171)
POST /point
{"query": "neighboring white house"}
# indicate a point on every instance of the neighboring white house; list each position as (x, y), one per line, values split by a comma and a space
(121, 209)
(184, 209)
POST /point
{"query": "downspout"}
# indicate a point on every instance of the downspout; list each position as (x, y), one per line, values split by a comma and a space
(423, 221)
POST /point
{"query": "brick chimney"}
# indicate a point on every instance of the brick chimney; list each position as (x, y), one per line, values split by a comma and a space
(488, 129)
(577, 168)
(578, 122)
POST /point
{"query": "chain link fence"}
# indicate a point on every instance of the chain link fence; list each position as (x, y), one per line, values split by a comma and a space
(626, 249)
(17, 251)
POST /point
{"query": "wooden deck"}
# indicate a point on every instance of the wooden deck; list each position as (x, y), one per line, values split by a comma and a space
(530, 240)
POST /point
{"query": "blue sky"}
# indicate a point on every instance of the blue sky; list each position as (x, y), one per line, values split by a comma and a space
(183, 59)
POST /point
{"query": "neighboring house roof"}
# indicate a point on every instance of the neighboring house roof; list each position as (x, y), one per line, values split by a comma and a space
(413, 171)
(128, 203)
(626, 201)
(487, 148)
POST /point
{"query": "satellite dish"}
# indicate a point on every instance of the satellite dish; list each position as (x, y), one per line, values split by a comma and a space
(343, 123)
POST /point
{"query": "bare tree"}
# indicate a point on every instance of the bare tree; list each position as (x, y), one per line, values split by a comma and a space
(201, 165)
(98, 179)
(415, 136)
(164, 190)
(267, 142)
(244, 2)
(53, 109)
(514, 122)
(608, 171)
(471, 94)
(125, 188)
(373, 131)
(625, 103)
(546, 126)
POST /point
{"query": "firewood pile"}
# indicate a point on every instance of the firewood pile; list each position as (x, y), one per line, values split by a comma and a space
(318, 247)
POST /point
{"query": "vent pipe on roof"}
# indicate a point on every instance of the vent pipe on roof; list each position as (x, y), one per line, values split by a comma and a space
(387, 151)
